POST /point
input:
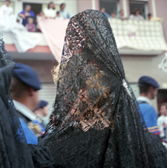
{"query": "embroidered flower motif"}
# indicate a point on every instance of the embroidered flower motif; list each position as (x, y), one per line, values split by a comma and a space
(125, 85)
(163, 64)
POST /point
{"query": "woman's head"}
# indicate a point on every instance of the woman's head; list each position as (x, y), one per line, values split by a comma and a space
(89, 94)
(93, 100)
(136, 12)
(89, 77)
(51, 5)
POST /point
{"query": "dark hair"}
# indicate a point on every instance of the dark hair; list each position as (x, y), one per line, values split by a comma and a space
(27, 6)
(164, 104)
(49, 5)
(17, 88)
(135, 10)
(121, 10)
(62, 4)
(144, 88)
(57, 12)
(149, 14)
(7, 1)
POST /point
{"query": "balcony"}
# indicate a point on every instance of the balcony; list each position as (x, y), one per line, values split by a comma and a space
(139, 37)
(40, 52)
(132, 37)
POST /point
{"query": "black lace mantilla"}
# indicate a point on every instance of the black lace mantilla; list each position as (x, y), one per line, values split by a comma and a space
(96, 121)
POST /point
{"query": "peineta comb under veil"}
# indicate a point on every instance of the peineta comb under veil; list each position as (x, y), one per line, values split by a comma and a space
(96, 121)
(14, 150)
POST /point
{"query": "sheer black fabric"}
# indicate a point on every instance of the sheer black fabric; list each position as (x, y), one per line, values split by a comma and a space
(96, 121)
(14, 151)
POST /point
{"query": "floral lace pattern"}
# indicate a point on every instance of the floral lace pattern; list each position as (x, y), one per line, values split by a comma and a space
(96, 121)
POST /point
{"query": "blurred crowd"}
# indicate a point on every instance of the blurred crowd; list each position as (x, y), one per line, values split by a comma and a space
(135, 15)
(28, 18)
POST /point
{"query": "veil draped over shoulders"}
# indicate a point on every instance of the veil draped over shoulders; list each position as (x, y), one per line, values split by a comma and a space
(96, 121)
(14, 150)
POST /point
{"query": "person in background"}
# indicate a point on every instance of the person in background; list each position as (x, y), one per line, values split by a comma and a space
(57, 14)
(103, 10)
(136, 15)
(112, 15)
(148, 90)
(41, 111)
(30, 26)
(24, 89)
(162, 120)
(121, 15)
(25, 14)
(63, 14)
(50, 11)
(149, 16)
(6, 10)
(42, 15)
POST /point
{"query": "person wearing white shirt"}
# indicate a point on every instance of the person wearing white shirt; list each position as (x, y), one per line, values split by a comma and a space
(6, 10)
(136, 15)
(63, 14)
(121, 15)
(50, 11)
(162, 120)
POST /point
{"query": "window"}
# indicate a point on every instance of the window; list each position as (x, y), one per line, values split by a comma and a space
(111, 6)
(35, 7)
(141, 5)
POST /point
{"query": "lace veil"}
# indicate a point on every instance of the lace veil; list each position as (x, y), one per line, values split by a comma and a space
(96, 121)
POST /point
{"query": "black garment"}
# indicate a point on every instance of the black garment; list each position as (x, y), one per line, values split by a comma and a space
(14, 151)
(96, 120)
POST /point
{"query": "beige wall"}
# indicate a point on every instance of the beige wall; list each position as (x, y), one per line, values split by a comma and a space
(43, 69)
(137, 66)
(88, 4)
(84, 4)
(162, 12)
